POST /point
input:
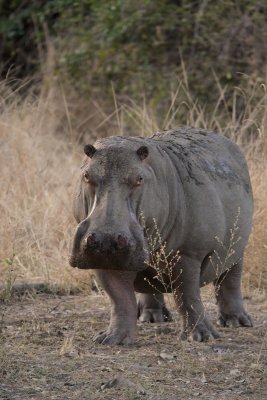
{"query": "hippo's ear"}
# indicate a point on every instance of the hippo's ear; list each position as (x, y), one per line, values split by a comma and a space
(142, 152)
(89, 150)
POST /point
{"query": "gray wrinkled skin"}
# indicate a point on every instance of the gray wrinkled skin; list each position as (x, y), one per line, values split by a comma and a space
(195, 184)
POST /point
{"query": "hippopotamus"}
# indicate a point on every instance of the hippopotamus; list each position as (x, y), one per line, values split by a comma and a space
(188, 187)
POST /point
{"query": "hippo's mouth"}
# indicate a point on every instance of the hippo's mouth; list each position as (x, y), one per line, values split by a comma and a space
(137, 261)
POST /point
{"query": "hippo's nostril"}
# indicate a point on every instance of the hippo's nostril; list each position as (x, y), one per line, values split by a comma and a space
(121, 242)
(91, 240)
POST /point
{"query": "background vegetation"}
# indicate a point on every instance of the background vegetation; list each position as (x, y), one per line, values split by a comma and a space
(76, 70)
(142, 46)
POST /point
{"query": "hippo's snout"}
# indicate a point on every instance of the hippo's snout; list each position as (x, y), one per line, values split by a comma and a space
(108, 244)
(105, 249)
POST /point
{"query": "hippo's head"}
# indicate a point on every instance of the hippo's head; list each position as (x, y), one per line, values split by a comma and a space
(108, 206)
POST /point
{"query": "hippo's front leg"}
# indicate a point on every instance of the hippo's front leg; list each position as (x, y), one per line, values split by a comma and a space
(187, 296)
(120, 289)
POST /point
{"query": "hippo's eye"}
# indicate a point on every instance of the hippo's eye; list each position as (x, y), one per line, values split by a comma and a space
(86, 177)
(139, 180)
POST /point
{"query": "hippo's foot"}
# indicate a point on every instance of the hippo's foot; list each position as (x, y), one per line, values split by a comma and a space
(113, 337)
(201, 332)
(235, 320)
(154, 315)
(151, 308)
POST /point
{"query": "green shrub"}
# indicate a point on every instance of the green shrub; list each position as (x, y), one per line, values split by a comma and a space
(139, 45)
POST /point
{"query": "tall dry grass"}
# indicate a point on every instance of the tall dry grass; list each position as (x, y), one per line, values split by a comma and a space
(37, 165)
(41, 153)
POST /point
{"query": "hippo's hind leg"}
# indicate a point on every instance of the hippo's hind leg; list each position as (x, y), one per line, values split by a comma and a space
(119, 287)
(229, 298)
(196, 324)
(152, 308)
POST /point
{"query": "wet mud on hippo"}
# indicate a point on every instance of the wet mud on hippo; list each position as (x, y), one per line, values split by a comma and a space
(195, 185)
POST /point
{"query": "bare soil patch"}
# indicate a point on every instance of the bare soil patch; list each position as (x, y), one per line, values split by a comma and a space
(47, 352)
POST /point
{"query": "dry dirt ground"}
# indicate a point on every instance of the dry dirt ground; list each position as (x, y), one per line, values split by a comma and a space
(47, 352)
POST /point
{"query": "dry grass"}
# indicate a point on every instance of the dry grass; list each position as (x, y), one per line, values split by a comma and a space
(47, 353)
(40, 154)
(37, 166)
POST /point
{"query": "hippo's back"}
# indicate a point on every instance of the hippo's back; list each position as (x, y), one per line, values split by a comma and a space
(206, 154)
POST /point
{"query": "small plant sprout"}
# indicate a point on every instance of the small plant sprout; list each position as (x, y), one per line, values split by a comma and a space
(229, 251)
(161, 260)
